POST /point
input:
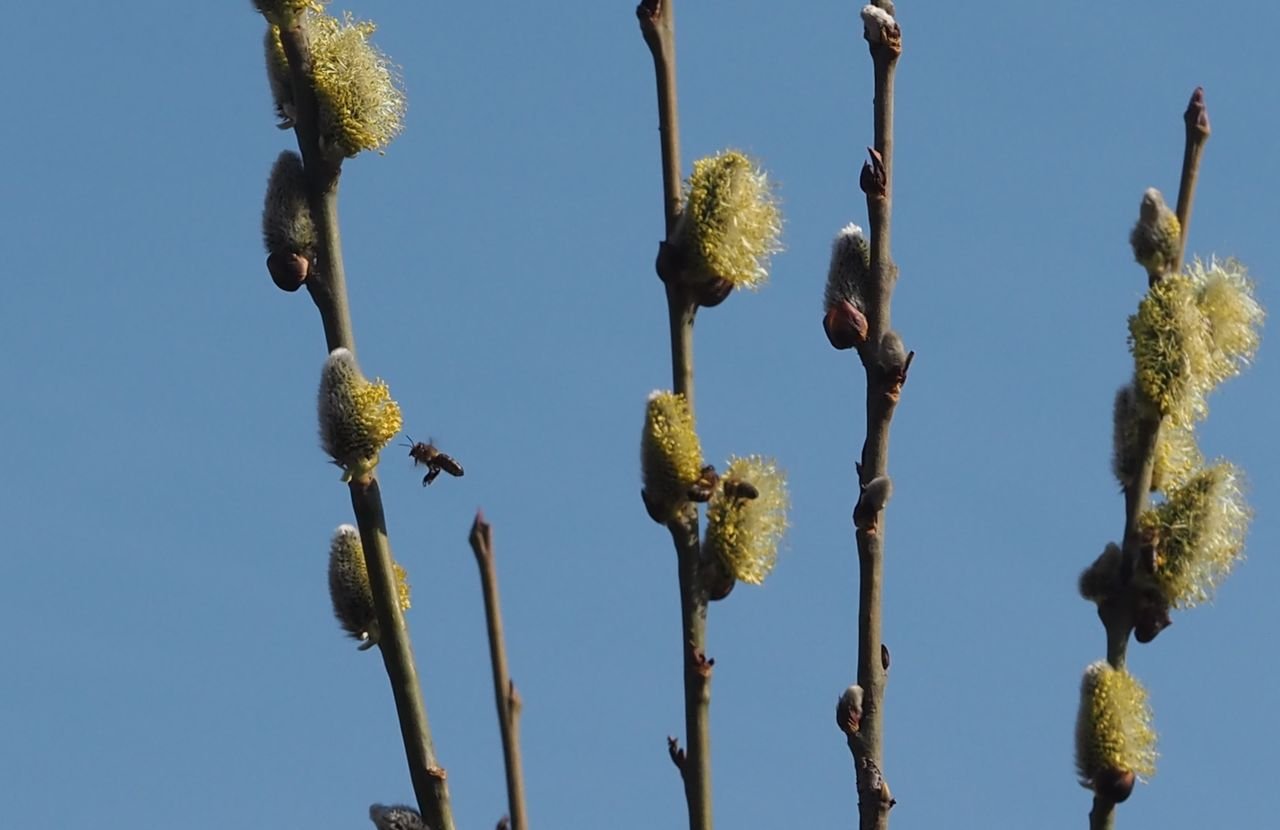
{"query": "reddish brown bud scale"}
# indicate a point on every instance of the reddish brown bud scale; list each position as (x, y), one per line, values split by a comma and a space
(288, 271)
(712, 293)
(1115, 785)
(845, 325)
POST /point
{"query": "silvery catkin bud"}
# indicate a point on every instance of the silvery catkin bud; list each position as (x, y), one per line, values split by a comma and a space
(349, 588)
(397, 817)
(1156, 237)
(287, 230)
(844, 318)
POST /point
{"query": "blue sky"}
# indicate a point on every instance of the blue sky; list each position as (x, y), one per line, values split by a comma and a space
(171, 648)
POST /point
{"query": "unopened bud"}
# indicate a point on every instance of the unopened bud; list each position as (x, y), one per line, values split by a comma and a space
(398, 817)
(1157, 236)
(873, 498)
(849, 710)
(845, 325)
(287, 230)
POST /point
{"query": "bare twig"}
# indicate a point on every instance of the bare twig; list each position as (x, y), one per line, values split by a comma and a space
(657, 25)
(886, 366)
(504, 690)
(328, 292)
(1196, 119)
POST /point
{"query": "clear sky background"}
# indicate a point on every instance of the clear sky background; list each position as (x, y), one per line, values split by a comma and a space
(171, 658)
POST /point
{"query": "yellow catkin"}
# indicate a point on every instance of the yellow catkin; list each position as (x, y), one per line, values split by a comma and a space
(1114, 725)
(731, 222)
(670, 453)
(358, 93)
(1199, 534)
(357, 416)
(745, 532)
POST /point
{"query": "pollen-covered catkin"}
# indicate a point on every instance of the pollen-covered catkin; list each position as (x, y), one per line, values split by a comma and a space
(358, 93)
(1199, 534)
(745, 532)
(279, 78)
(1114, 734)
(731, 223)
(670, 454)
(357, 417)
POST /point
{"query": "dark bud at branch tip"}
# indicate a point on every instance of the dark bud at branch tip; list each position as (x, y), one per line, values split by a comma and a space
(1114, 785)
(845, 325)
(712, 293)
(1197, 115)
(288, 271)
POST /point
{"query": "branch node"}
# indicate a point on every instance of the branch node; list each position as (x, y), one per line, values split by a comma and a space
(438, 773)
(514, 702)
(871, 782)
(874, 179)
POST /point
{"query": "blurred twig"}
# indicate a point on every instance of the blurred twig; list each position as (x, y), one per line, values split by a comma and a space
(508, 701)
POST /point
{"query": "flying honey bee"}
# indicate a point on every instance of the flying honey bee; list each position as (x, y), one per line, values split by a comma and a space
(435, 461)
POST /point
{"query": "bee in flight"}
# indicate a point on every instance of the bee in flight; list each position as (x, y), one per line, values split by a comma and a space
(435, 461)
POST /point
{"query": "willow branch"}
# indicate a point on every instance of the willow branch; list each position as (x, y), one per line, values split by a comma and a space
(327, 285)
(1103, 814)
(1118, 614)
(504, 691)
(657, 25)
(429, 780)
(885, 373)
(329, 293)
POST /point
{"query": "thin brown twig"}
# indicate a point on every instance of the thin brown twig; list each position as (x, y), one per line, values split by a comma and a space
(327, 288)
(886, 370)
(657, 25)
(504, 690)
(1196, 118)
